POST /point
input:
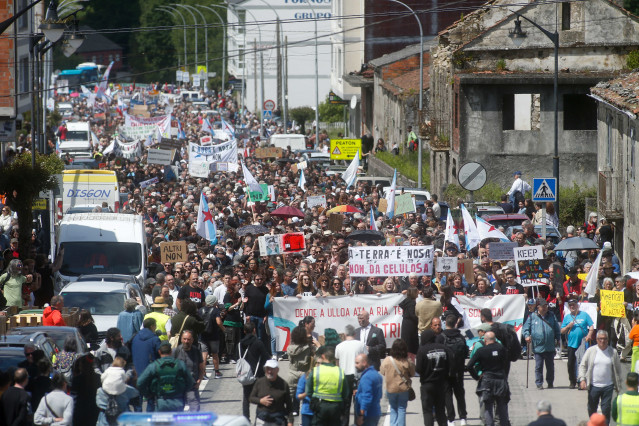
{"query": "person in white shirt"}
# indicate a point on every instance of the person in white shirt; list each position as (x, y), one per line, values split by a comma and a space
(518, 185)
(345, 354)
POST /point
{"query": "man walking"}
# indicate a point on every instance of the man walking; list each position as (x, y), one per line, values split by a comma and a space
(625, 408)
(492, 388)
(427, 309)
(373, 337)
(255, 297)
(345, 354)
(272, 395)
(166, 380)
(162, 321)
(544, 417)
(577, 325)
(434, 364)
(541, 330)
(517, 190)
(600, 373)
(191, 355)
(327, 389)
(145, 346)
(369, 393)
(453, 340)
(15, 405)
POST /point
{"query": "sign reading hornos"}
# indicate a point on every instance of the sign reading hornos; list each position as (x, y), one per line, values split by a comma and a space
(390, 261)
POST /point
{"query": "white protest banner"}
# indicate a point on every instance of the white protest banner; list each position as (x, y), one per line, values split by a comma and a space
(196, 80)
(446, 264)
(337, 312)
(185, 76)
(225, 152)
(149, 182)
(315, 200)
(199, 169)
(159, 156)
(142, 127)
(506, 309)
(220, 134)
(529, 264)
(128, 150)
(234, 167)
(394, 261)
(502, 251)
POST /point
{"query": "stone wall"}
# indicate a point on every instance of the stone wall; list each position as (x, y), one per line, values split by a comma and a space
(377, 167)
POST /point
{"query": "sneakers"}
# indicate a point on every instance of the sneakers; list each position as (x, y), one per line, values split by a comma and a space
(218, 375)
(295, 413)
(451, 423)
(274, 357)
(550, 386)
(233, 361)
(540, 387)
(462, 422)
(205, 377)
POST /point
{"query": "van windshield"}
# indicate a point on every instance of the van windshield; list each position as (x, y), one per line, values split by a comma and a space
(89, 257)
(77, 135)
(96, 303)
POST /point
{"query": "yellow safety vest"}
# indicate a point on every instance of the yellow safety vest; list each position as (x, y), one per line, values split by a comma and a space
(160, 320)
(329, 382)
(627, 410)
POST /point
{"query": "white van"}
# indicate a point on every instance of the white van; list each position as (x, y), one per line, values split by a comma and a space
(100, 243)
(83, 190)
(295, 141)
(78, 141)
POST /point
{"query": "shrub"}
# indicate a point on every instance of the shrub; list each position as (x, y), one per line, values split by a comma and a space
(632, 60)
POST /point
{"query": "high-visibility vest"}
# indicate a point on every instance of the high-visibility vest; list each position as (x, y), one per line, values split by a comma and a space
(160, 320)
(627, 410)
(329, 382)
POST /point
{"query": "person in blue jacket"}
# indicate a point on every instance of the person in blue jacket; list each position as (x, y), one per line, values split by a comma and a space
(541, 330)
(305, 409)
(369, 393)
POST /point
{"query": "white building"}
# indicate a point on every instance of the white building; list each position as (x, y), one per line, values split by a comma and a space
(347, 44)
(252, 24)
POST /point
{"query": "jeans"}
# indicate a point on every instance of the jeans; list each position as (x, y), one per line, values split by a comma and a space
(271, 326)
(456, 386)
(549, 359)
(501, 408)
(398, 402)
(595, 394)
(307, 420)
(572, 365)
(192, 399)
(433, 397)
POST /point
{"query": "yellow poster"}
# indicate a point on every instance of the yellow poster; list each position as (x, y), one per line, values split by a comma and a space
(345, 149)
(612, 304)
(201, 69)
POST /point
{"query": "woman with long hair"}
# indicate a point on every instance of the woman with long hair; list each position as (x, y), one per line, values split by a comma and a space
(363, 287)
(390, 286)
(86, 327)
(13, 280)
(300, 353)
(409, 333)
(323, 286)
(337, 287)
(451, 305)
(397, 370)
(551, 215)
(305, 286)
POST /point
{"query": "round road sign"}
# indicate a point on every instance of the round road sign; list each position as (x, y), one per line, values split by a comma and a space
(269, 105)
(472, 176)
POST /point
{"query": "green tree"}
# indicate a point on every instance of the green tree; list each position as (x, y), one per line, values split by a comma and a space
(331, 113)
(301, 115)
(22, 183)
(631, 6)
(155, 52)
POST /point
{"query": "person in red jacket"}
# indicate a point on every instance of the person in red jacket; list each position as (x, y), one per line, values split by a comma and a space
(52, 314)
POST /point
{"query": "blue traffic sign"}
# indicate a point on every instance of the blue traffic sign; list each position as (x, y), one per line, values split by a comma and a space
(268, 115)
(544, 189)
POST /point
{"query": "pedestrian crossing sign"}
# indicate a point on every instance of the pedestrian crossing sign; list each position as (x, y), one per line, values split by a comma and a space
(544, 190)
(336, 151)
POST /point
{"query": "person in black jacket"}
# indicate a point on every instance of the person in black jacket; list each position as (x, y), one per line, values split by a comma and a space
(15, 406)
(255, 353)
(254, 300)
(492, 388)
(434, 363)
(373, 338)
(452, 338)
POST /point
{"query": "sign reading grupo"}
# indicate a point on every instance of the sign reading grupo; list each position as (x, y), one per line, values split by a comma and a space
(394, 261)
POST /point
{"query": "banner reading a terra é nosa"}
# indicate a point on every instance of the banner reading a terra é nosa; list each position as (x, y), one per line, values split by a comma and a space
(337, 312)
(390, 261)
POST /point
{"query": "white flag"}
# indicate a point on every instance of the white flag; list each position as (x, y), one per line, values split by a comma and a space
(350, 174)
(470, 230)
(451, 231)
(250, 180)
(486, 230)
(390, 197)
(302, 181)
(592, 279)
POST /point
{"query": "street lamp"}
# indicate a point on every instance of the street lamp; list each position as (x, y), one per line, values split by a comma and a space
(52, 27)
(518, 36)
(316, 79)
(171, 11)
(224, 27)
(206, 40)
(421, 86)
(195, 28)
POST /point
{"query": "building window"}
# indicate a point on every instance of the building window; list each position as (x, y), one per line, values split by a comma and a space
(241, 20)
(580, 112)
(454, 169)
(609, 141)
(241, 57)
(565, 16)
(633, 142)
(456, 111)
(23, 21)
(339, 63)
(24, 76)
(521, 111)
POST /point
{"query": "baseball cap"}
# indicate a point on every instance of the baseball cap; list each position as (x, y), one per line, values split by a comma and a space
(573, 299)
(541, 302)
(484, 326)
(531, 302)
(271, 363)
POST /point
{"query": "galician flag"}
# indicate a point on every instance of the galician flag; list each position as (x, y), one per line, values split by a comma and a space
(206, 126)
(390, 198)
(486, 230)
(251, 182)
(451, 234)
(205, 226)
(470, 230)
(373, 226)
(302, 181)
(350, 174)
(593, 276)
(228, 129)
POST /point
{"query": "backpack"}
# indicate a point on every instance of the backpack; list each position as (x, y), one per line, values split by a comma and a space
(243, 370)
(457, 344)
(210, 324)
(112, 410)
(508, 337)
(167, 381)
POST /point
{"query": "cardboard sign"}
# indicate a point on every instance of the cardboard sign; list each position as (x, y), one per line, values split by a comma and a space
(345, 149)
(170, 143)
(270, 245)
(268, 153)
(293, 242)
(382, 206)
(404, 203)
(159, 156)
(446, 264)
(531, 270)
(465, 267)
(315, 200)
(612, 304)
(503, 251)
(335, 222)
(174, 251)
(242, 133)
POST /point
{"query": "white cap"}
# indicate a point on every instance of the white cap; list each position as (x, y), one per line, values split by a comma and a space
(271, 363)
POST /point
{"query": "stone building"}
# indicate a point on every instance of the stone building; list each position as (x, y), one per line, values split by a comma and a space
(492, 101)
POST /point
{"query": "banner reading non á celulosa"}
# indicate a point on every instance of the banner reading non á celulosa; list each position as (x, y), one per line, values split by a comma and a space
(390, 261)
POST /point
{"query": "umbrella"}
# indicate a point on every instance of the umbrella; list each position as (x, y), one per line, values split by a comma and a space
(285, 160)
(252, 230)
(576, 243)
(365, 235)
(346, 208)
(288, 212)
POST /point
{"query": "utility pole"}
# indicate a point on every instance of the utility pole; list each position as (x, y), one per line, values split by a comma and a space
(263, 127)
(255, 74)
(279, 63)
(285, 83)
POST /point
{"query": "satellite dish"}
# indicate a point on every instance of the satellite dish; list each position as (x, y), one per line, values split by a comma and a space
(354, 102)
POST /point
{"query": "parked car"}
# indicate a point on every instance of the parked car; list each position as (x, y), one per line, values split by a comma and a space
(57, 334)
(483, 210)
(421, 195)
(552, 233)
(505, 220)
(12, 348)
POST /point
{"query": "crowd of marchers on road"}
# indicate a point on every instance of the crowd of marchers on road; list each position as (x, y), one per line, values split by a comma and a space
(217, 307)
